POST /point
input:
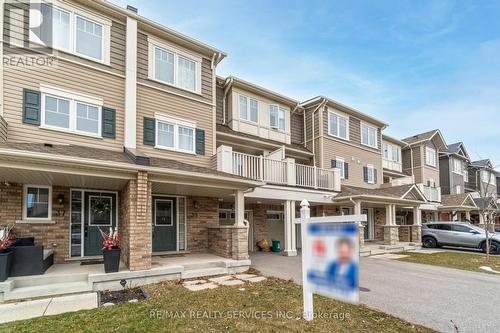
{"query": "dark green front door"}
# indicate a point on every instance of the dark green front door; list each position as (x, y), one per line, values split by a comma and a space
(100, 213)
(367, 223)
(164, 224)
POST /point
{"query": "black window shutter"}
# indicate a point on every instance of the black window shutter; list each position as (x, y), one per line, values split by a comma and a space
(149, 131)
(334, 164)
(31, 107)
(375, 176)
(365, 174)
(108, 123)
(200, 141)
(346, 170)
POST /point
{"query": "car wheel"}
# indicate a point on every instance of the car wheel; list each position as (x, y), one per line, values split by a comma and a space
(494, 247)
(429, 242)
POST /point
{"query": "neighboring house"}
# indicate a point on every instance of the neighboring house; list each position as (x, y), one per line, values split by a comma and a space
(392, 161)
(456, 204)
(482, 183)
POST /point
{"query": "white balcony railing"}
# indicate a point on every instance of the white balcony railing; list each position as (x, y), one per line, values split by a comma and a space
(406, 180)
(274, 171)
(392, 165)
(432, 194)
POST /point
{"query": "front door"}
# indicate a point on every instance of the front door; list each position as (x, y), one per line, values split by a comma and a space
(164, 224)
(367, 223)
(100, 215)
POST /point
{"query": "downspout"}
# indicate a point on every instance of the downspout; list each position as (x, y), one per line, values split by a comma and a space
(213, 66)
(305, 128)
(227, 85)
(313, 129)
(411, 161)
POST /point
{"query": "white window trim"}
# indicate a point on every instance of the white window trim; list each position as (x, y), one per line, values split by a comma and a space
(466, 175)
(73, 99)
(171, 213)
(427, 150)
(27, 219)
(342, 170)
(281, 111)
(363, 124)
(75, 11)
(330, 113)
(454, 159)
(372, 181)
(177, 52)
(248, 118)
(176, 122)
(390, 152)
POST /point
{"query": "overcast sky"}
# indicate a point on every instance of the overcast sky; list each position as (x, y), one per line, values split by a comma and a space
(417, 65)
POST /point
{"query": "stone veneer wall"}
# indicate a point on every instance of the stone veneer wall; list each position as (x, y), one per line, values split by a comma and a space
(54, 235)
(379, 219)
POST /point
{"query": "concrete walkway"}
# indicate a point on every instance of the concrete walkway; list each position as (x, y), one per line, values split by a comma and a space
(47, 306)
(436, 297)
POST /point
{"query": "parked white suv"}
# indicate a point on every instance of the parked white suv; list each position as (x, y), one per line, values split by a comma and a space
(458, 234)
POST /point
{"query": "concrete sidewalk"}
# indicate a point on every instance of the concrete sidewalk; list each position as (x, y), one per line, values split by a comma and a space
(432, 296)
(47, 306)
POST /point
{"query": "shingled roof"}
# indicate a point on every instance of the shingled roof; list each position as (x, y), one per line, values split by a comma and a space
(402, 192)
(457, 200)
(420, 137)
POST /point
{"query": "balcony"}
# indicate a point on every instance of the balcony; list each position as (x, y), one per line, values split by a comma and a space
(392, 165)
(432, 194)
(276, 171)
(407, 180)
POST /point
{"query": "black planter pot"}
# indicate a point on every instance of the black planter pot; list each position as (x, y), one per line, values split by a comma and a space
(5, 263)
(111, 260)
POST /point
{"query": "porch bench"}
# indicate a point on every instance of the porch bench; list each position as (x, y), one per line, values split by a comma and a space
(30, 259)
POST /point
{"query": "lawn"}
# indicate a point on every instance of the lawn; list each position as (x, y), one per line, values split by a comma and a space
(269, 306)
(465, 261)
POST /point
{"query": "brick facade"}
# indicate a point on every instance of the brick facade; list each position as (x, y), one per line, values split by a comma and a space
(228, 241)
(199, 218)
(54, 235)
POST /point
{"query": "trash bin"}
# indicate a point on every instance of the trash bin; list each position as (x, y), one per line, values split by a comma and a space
(276, 246)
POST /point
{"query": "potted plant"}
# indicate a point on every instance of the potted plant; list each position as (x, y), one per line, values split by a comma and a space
(6, 240)
(111, 251)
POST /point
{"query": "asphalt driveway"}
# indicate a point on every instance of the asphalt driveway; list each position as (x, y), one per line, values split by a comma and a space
(445, 299)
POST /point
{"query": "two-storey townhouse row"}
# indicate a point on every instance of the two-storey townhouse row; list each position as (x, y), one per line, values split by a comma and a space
(118, 131)
(482, 184)
(456, 203)
(421, 162)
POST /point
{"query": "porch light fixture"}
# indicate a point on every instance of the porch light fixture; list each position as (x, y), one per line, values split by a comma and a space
(60, 199)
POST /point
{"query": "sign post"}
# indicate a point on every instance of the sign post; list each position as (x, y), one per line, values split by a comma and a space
(330, 257)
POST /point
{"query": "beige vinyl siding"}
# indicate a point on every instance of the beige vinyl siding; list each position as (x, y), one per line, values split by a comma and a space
(354, 130)
(297, 128)
(16, 30)
(151, 100)
(356, 157)
(67, 76)
(219, 93)
(143, 69)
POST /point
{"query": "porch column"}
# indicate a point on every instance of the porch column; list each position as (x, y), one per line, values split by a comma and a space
(467, 215)
(240, 231)
(289, 217)
(239, 208)
(135, 223)
(416, 228)
(391, 230)
(361, 230)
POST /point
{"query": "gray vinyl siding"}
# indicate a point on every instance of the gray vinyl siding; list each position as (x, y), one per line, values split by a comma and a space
(444, 175)
(219, 104)
(297, 128)
(142, 73)
(16, 31)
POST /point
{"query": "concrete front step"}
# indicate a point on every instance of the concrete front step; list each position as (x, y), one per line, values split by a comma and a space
(193, 273)
(47, 290)
(39, 280)
(210, 264)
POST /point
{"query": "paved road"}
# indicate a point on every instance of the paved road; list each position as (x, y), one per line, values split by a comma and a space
(432, 296)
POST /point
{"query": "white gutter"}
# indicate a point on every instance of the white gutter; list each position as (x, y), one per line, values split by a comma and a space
(322, 104)
(122, 166)
(227, 86)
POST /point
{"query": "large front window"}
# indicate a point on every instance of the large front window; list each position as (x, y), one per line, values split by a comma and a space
(37, 202)
(70, 112)
(277, 117)
(430, 156)
(175, 135)
(338, 126)
(369, 135)
(173, 67)
(64, 29)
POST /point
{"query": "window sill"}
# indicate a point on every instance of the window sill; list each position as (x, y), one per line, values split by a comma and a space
(35, 221)
(106, 62)
(176, 87)
(175, 150)
(339, 137)
(372, 147)
(56, 129)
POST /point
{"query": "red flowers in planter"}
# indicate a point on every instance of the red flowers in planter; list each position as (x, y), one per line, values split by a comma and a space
(6, 239)
(110, 239)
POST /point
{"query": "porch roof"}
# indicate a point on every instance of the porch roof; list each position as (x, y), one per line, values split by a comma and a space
(96, 158)
(404, 194)
(462, 201)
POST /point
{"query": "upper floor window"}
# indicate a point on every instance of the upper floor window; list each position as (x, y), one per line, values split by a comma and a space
(71, 112)
(391, 152)
(37, 202)
(175, 134)
(457, 166)
(340, 164)
(174, 67)
(249, 109)
(430, 156)
(65, 28)
(488, 177)
(370, 174)
(466, 176)
(369, 135)
(277, 117)
(338, 125)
